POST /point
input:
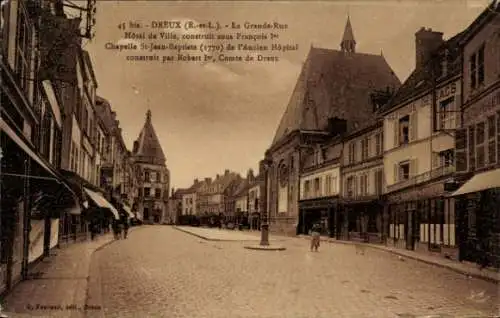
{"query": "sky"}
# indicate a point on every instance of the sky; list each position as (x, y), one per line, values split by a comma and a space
(215, 116)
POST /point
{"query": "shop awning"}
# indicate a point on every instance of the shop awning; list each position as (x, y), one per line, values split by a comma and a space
(102, 202)
(5, 127)
(479, 182)
(129, 211)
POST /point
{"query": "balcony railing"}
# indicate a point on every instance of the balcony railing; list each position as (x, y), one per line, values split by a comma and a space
(424, 177)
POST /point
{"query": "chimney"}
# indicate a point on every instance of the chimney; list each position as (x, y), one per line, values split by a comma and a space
(226, 172)
(208, 180)
(426, 42)
(218, 176)
(196, 181)
(173, 191)
(136, 147)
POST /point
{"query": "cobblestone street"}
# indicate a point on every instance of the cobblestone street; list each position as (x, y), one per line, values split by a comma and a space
(163, 272)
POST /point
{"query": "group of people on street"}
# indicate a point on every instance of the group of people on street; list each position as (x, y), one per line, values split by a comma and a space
(120, 227)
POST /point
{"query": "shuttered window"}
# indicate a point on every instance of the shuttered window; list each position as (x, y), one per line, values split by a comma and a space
(471, 150)
(461, 150)
(413, 126)
(480, 145)
(492, 146)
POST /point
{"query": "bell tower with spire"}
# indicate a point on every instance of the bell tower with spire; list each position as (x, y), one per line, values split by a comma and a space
(153, 175)
(348, 44)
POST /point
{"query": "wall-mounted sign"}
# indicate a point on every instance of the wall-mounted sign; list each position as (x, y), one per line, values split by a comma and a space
(447, 91)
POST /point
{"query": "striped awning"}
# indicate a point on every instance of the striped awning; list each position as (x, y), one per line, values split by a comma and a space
(102, 202)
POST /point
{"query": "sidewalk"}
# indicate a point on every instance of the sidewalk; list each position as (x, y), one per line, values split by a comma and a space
(57, 286)
(464, 268)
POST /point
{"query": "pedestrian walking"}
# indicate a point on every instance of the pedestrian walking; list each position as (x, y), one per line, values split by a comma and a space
(126, 226)
(315, 237)
(116, 229)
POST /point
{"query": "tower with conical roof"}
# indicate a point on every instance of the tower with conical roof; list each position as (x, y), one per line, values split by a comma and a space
(152, 173)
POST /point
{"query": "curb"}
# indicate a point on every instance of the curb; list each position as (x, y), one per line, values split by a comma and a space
(415, 258)
(209, 239)
(264, 248)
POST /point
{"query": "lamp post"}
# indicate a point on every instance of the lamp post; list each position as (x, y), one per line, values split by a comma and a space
(264, 225)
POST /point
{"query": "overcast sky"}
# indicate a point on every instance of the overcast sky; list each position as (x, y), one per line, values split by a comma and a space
(211, 117)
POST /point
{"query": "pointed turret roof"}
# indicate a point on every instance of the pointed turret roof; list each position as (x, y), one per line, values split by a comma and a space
(348, 43)
(147, 147)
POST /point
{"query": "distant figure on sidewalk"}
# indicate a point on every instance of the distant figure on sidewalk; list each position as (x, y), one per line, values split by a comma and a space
(125, 227)
(315, 237)
(116, 229)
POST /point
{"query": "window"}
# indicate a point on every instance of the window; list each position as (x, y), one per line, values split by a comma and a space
(363, 184)
(471, 150)
(447, 114)
(364, 149)
(379, 179)
(328, 185)
(317, 187)
(146, 176)
(378, 144)
(352, 152)
(404, 130)
(473, 69)
(492, 150)
(446, 158)
(480, 151)
(158, 194)
(334, 185)
(147, 192)
(307, 188)
(24, 52)
(403, 171)
(350, 186)
(476, 64)
(153, 176)
(461, 150)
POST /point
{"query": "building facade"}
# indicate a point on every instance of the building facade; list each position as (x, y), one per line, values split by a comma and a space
(362, 184)
(320, 186)
(419, 126)
(153, 176)
(478, 142)
(318, 101)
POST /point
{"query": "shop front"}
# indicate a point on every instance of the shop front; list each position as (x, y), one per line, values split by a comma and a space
(321, 210)
(478, 219)
(362, 220)
(422, 218)
(32, 196)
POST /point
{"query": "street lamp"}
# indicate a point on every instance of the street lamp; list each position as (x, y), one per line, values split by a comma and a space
(264, 225)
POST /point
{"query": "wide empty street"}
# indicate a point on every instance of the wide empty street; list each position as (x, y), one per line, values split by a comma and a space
(162, 272)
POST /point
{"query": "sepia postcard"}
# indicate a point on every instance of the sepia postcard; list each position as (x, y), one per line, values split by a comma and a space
(253, 159)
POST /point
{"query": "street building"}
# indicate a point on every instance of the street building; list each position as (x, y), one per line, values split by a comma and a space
(152, 174)
(362, 181)
(333, 85)
(419, 125)
(39, 205)
(189, 199)
(478, 142)
(320, 186)
(214, 194)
